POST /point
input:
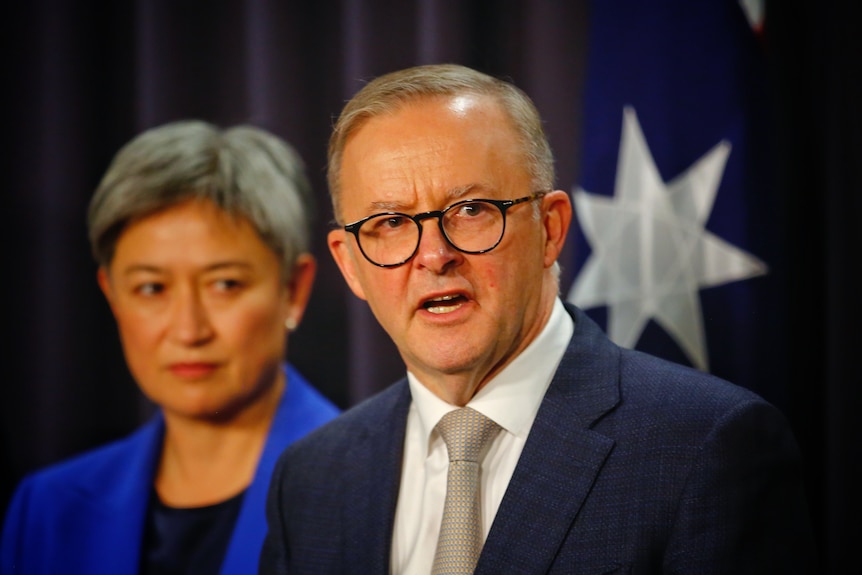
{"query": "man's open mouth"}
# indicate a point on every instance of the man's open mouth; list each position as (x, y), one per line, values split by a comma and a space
(444, 304)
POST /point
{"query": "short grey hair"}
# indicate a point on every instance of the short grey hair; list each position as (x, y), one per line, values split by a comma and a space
(244, 170)
(387, 93)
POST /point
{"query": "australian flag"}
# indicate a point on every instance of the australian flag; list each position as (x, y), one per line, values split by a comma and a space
(678, 243)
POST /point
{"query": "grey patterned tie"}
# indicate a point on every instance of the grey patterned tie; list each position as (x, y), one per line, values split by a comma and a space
(465, 431)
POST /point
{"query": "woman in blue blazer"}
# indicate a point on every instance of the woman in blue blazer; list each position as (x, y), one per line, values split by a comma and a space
(201, 235)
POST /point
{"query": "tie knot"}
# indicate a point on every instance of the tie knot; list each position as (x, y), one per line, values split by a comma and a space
(466, 431)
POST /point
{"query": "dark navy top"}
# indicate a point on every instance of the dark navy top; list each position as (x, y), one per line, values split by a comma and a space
(188, 540)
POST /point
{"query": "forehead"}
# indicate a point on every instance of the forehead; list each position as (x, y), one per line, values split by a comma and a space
(427, 150)
(189, 232)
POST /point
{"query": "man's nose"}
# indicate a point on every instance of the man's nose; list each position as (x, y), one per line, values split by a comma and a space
(435, 252)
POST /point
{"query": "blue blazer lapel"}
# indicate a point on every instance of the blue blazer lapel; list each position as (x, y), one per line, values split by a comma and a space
(371, 497)
(561, 458)
(300, 411)
(113, 498)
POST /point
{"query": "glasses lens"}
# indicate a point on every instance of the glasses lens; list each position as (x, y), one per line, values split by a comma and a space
(388, 239)
(473, 226)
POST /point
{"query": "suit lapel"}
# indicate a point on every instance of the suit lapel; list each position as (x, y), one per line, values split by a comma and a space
(369, 513)
(561, 458)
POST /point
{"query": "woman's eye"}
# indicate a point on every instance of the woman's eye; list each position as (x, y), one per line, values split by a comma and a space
(150, 289)
(227, 284)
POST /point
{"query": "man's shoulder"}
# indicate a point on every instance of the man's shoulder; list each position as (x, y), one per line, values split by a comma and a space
(343, 451)
(685, 403)
(375, 415)
(592, 355)
(631, 385)
(647, 375)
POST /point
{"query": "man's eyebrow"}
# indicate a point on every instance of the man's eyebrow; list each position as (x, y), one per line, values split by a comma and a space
(475, 190)
(386, 206)
(452, 195)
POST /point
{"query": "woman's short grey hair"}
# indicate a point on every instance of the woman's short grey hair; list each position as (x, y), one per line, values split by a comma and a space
(244, 170)
(387, 93)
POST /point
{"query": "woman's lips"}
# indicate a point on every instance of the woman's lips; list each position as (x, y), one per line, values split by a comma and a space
(193, 370)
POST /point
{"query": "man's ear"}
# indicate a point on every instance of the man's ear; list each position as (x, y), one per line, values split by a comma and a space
(299, 287)
(344, 256)
(558, 216)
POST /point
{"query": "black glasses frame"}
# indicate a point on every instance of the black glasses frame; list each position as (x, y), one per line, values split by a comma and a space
(502, 205)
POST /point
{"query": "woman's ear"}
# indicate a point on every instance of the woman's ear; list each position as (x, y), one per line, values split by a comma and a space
(104, 282)
(299, 288)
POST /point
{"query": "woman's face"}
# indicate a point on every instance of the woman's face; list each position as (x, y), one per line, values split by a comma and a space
(201, 304)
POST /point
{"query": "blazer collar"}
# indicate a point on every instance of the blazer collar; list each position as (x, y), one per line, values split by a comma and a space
(116, 489)
(372, 497)
(299, 411)
(562, 456)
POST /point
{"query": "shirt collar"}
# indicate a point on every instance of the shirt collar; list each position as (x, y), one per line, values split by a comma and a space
(512, 398)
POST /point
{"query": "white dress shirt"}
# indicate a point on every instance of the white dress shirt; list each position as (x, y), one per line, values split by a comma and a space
(511, 400)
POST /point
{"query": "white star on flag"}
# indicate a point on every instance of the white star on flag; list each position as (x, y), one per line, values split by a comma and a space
(755, 11)
(651, 253)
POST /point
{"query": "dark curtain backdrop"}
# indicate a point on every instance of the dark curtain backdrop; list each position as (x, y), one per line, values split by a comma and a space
(82, 78)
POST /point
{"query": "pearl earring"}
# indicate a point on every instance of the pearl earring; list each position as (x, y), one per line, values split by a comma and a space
(290, 324)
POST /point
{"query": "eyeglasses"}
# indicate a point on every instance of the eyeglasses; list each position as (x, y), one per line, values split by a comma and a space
(391, 239)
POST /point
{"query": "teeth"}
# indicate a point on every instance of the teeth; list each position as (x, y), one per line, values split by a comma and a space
(444, 298)
(446, 308)
(438, 309)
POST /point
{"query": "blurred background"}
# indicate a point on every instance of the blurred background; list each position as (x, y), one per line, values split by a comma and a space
(778, 81)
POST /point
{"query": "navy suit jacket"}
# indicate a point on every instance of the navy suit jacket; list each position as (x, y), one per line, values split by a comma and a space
(85, 516)
(633, 465)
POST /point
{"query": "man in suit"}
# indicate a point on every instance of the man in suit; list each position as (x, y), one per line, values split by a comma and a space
(599, 459)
